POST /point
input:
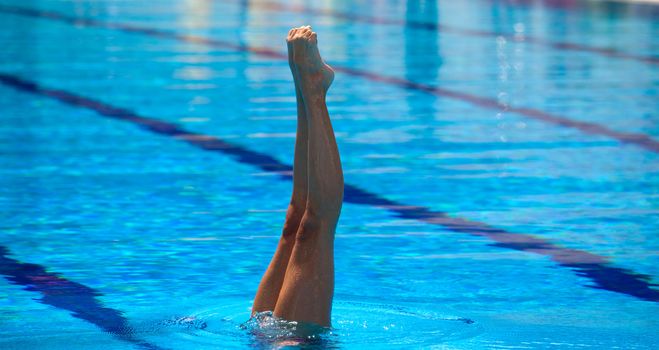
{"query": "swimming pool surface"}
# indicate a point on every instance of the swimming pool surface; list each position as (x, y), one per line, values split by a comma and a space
(501, 161)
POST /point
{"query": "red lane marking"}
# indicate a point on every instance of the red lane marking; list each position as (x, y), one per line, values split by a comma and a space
(637, 139)
(605, 51)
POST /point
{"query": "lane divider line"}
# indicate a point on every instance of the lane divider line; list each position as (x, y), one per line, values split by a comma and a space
(436, 27)
(597, 269)
(637, 139)
(74, 297)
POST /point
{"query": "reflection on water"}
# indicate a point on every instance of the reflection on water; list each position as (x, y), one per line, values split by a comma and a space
(195, 14)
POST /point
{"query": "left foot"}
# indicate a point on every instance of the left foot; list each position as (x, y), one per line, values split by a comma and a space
(289, 43)
(304, 58)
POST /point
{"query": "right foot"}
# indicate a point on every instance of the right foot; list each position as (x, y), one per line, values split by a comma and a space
(304, 58)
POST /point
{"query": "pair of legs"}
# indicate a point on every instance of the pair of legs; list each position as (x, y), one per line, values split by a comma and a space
(299, 282)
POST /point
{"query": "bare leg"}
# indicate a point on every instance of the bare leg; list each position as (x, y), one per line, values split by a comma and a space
(308, 286)
(273, 278)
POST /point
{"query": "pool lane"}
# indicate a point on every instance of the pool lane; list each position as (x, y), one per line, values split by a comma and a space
(597, 269)
(77, 298)
(644, 8)
(637, 139)
(436, 27)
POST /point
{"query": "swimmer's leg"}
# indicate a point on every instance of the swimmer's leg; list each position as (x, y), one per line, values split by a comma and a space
(273, 278)
(308, 287)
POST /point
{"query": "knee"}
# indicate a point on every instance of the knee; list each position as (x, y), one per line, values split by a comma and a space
(308, 227)
(290, 229)
(294, 216)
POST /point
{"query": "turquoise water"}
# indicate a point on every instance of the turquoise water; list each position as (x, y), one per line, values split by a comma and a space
(139, 239)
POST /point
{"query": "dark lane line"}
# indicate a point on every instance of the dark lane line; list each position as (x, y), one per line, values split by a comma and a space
(436, 27)
(641, 9)
(61, 293)
(594, 267)
(637, 139)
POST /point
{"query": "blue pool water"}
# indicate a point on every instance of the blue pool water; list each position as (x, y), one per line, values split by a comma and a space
(501, 162)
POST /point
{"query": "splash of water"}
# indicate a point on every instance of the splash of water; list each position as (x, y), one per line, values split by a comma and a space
(276, 332)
